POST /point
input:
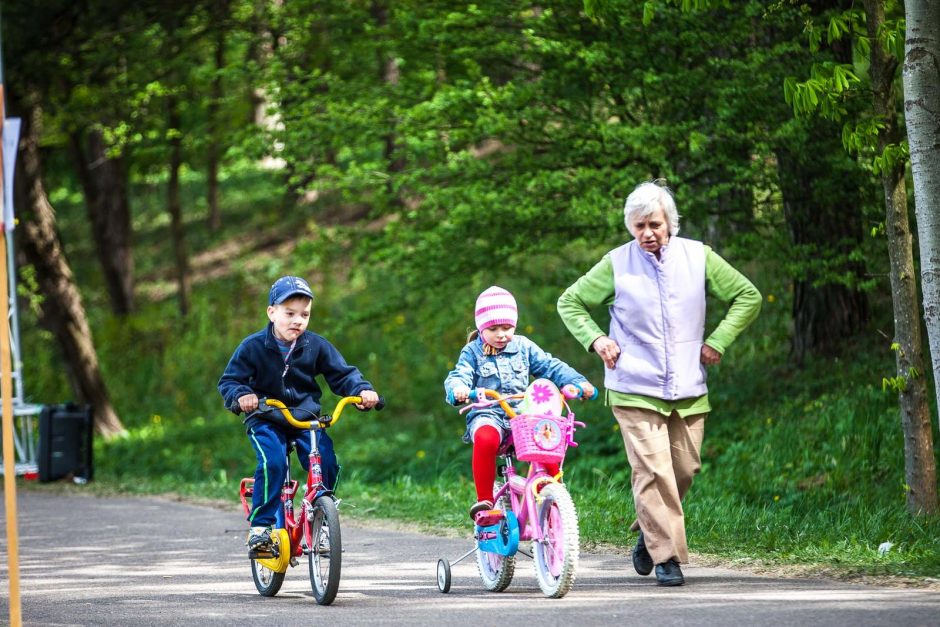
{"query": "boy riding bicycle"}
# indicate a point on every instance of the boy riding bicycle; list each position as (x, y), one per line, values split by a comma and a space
(282, 362)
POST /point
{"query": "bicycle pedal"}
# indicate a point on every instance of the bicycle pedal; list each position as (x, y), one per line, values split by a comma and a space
(489, 517)
(261, 554)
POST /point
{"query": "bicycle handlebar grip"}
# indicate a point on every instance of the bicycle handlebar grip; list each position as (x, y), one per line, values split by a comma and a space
(380, 405)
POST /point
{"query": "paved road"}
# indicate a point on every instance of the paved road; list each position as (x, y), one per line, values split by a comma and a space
(123, 561)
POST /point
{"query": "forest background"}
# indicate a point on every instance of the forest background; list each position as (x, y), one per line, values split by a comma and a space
(177, 157)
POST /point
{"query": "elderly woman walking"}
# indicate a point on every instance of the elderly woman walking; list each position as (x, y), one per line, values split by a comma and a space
(654, 359)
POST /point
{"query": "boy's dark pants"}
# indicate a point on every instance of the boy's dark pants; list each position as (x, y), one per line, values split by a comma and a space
(270, 444)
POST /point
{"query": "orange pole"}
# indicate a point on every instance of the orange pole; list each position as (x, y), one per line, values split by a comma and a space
(6, 391)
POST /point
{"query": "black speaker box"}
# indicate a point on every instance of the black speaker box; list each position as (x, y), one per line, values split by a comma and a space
(65, 442)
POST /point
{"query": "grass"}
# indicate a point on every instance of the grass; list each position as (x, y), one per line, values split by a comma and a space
(801, 466)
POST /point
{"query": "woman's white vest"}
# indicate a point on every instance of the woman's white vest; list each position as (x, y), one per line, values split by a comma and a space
(658, 320)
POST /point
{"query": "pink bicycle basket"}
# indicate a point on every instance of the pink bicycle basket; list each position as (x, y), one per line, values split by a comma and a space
(539, 438)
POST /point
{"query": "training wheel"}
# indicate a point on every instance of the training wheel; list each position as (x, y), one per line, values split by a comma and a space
(443, 575)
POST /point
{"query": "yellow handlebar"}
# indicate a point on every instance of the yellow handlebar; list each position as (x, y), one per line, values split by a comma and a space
(309, 424)
(502, 401)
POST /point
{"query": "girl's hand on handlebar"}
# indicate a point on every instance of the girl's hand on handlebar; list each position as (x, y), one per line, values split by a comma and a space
(248, 402)
(584, 390)
(461, 394)
(369, 399)
(588, 391)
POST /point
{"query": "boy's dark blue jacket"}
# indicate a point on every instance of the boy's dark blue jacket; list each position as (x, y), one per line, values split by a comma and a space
(257, 367)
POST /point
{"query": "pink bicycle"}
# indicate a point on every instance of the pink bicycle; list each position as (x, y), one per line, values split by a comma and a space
(534, 506)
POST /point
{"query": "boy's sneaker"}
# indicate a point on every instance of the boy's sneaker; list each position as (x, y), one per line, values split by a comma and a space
(259, 539)
(480, 506)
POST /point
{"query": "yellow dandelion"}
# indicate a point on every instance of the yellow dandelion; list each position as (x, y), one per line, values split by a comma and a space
(155, 419)
(771, 298)
(400, 319)
(420, 454)
(776, 497)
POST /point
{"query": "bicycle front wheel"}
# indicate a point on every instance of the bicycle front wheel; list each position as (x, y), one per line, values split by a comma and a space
(557, 552)
(325, 550)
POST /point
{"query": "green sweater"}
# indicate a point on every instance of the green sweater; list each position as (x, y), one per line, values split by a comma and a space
(596, 289)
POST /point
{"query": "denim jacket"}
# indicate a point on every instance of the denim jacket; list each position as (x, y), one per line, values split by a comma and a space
(507, 372)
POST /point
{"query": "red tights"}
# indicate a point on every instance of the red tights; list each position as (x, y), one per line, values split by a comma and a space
(486, 442)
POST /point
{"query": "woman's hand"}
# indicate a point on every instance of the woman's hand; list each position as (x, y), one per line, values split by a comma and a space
(607, 350)
(369, 399)
(710, 356)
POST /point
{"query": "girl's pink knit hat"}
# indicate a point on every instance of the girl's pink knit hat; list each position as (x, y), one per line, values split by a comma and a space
(495, 306)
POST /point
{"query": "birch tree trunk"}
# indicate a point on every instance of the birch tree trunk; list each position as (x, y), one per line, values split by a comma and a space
(919, 467)
(922, 115)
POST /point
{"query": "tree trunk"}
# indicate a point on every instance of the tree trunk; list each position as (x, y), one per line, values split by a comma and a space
(104, 182)
(177, 232)
(919, 466)
(61, 311)
(825, 227)
(214, 148)
(922, 117)
(389, 74)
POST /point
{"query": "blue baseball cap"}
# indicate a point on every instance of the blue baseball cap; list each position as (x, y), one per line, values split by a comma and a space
(286, 287)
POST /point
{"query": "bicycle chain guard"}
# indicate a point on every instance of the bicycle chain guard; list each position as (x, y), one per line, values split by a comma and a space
(281, 542)
(501, 538)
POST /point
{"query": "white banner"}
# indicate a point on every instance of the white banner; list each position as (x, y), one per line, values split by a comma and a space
(11, 141)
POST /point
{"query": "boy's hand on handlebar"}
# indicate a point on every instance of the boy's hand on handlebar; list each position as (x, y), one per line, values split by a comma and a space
(461, 393)
(369, 399)
(248, 402)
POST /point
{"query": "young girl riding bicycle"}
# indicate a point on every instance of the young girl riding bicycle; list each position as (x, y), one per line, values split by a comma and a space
(498, 359)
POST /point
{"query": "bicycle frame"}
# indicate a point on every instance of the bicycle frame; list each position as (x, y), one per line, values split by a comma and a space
(523, 494)
(524, 491)
(285, 519)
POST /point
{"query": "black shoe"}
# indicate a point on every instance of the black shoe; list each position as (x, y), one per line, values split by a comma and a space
(669, 574)
(642, 562)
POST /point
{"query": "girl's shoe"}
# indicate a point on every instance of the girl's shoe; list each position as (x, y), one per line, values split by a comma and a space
(480, 506)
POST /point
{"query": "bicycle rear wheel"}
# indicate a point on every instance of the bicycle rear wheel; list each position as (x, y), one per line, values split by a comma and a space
(556, 555)
(266, 580)
(325, 550)
(496, 570)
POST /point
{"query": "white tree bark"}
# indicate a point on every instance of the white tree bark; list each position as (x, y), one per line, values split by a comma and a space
(922, 115)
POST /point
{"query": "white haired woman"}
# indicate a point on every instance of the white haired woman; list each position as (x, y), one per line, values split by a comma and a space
(654, 360)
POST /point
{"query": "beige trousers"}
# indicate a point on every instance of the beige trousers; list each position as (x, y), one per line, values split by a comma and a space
(664, 454)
